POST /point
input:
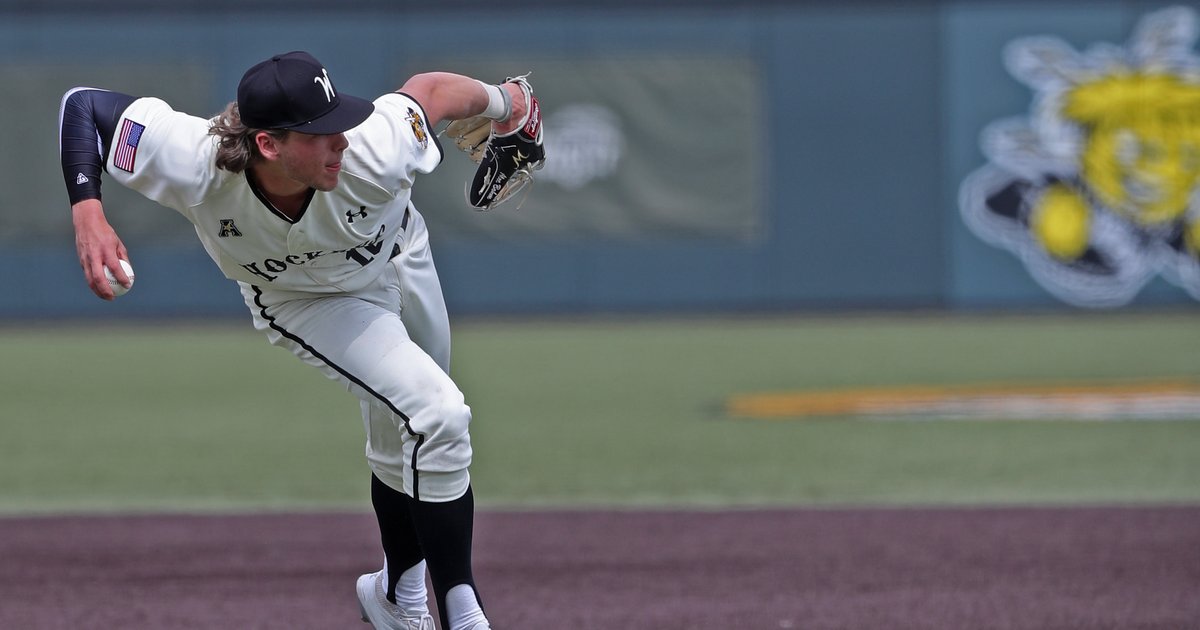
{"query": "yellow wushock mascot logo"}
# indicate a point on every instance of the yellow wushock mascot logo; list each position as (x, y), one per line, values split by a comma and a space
(1098, 190)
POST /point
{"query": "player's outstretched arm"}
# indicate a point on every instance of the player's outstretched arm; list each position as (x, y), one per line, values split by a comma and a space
(448, 96)
(506, 148)
(87, 120)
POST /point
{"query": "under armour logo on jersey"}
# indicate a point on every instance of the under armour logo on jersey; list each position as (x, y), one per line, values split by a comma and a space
(361, 214)
(228, 228)
(325, 84)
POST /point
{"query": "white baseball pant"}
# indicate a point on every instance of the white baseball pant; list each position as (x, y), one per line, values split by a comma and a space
(388, 344)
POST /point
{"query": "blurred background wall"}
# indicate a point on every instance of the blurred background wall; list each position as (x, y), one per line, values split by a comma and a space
(752, 156)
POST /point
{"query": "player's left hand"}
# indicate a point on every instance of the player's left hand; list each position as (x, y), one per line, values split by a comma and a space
(470, 135)
(507, 152)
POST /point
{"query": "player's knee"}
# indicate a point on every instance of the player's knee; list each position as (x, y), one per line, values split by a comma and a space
(445, 453)
(452, 418)
(437, 452)
(441, 417)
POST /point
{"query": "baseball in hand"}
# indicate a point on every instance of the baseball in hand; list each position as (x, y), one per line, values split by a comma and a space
(117, 288)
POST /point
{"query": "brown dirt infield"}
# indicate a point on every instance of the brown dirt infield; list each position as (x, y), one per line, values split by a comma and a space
(971, 568)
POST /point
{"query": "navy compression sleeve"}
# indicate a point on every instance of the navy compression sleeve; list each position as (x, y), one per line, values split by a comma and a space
(87, 120)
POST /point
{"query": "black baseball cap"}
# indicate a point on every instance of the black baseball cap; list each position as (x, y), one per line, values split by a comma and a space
(293, 91)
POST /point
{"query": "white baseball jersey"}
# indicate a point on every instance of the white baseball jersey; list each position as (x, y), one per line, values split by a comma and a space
(345, 287)
(341, 240)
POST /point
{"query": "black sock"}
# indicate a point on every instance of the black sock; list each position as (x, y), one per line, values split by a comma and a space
(445, 531)
(396, 532)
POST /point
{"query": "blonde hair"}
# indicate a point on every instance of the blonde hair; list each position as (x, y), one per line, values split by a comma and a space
(236, 147)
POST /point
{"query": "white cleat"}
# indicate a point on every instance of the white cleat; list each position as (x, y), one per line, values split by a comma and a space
(382, 614)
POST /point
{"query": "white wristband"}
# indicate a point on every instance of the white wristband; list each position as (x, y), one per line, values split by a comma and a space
(499, 105)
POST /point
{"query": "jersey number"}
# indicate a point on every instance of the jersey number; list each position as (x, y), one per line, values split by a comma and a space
(372, 247)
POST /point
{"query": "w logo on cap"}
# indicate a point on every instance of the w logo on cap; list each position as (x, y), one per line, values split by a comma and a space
(325, 84)
(277, 94)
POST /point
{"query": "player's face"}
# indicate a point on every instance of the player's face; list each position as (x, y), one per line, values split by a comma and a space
(311, 160)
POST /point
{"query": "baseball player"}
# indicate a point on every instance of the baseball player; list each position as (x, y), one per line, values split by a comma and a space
(301, 194)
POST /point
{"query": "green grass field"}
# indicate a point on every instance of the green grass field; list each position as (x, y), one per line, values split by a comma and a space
(622, 412)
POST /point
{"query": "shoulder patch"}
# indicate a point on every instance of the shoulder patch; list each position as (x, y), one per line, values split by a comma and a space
(418, 127)
(125, 151)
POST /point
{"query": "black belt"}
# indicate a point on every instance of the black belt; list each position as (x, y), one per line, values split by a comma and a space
(403, 226)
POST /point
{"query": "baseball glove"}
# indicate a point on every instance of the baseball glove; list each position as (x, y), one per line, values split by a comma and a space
(506, 162)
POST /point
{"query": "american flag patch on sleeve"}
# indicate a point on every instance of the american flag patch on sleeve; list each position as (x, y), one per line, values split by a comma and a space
(125, 152)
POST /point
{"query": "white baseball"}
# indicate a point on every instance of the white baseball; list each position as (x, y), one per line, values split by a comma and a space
(117, 288)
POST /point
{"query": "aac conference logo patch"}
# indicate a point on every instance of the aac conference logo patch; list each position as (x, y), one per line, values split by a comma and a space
(1097, 190)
